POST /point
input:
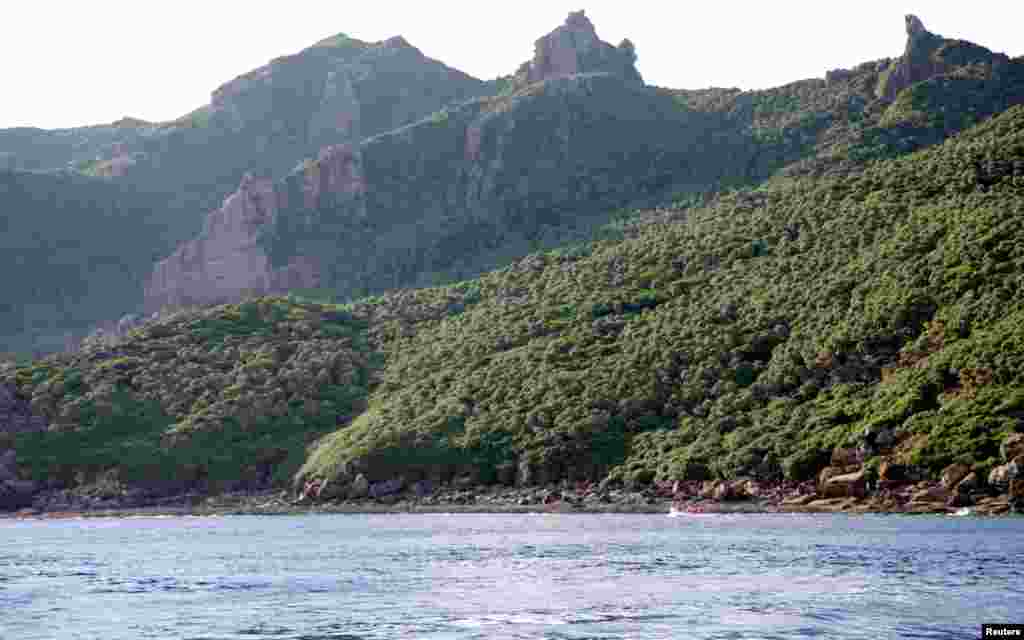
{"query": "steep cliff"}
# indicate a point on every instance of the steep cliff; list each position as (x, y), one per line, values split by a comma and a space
(473, 186)
(928, 55)
(340, 90)
(574, 135)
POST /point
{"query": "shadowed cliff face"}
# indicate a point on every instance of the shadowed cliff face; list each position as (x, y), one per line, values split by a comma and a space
(338, 91)
(467, 189)
(576, 136)
(458, 193)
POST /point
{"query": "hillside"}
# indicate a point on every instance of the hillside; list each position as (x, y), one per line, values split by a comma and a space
(873, 316)
(266, 121)
(574, 137)
(750, 338)
(814, 288)
(64, 255)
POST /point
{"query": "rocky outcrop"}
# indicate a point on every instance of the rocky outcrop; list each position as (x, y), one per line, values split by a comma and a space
(1012, 447)
(846, 485)
(575, 48)
(226, 259)
(927, 55)
(448, 197)
(233, 256)
(953, 474)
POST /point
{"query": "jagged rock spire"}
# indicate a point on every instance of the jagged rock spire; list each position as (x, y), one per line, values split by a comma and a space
(914, 26)
(575, 47)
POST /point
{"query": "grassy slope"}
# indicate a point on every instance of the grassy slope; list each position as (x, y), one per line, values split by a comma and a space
(750, 337)
(222, 397)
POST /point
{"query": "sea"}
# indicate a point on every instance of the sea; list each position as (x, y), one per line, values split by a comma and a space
(553, 575)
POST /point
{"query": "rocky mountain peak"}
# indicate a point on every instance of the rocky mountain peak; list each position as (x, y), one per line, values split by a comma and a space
(397, 42)
(915, 27)
(574, 48)
(927, 55)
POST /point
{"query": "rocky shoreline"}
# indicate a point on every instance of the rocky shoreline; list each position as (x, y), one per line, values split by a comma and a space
(679, 498)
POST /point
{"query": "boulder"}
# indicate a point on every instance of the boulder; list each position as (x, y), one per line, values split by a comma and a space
(845, 457)
(964, 493)
(798, 501)
(953, 474)
(999, 477)
(332, 491)
(830, 472)
(960, 498)
(729, 491)
(423, 488)
(833, 505)
(932, 494)
(532, 474)
(753, 489)
(847, 485)
(359, 488)
(16, 494)
(893, 474)
(1016, 494)
(1012, 447)
(387, 488)
(969, 484)
(707, 489)
(8, 463)
(1015, 468)
(505, 474)
(885, 438)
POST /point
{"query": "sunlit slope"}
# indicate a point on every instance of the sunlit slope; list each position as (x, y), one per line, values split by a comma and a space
(746, 338)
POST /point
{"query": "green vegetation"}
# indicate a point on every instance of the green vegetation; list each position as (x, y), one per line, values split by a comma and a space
(721, 284)
(337, 41)
(784, 323)
(227, 396)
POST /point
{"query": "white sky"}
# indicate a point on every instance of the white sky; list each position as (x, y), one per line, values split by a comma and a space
(75, 62)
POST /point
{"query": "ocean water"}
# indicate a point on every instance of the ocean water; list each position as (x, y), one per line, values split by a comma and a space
(557, 576)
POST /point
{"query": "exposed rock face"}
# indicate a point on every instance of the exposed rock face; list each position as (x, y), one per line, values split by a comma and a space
(847, 485)
(266, 121)
(450, 196)
(927, 55)
(226, 260)
(953, 474)
(575, 48)
(1012, 447)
